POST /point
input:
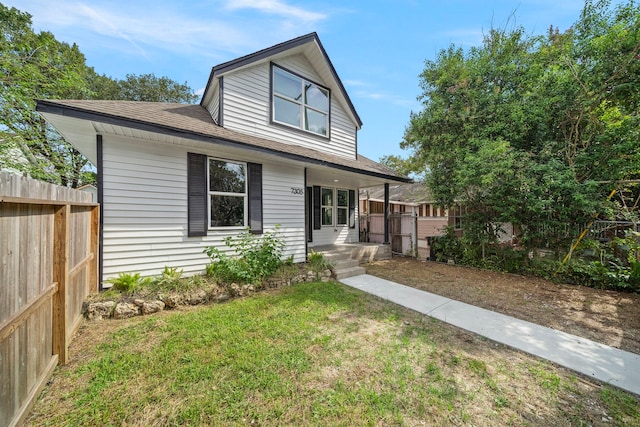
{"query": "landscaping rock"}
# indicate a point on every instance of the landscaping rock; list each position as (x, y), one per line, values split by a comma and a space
(222, 297)
(172, 301)
(124, 310)
(152, 307)
(129, 307)
(199, 297)
(98, 310)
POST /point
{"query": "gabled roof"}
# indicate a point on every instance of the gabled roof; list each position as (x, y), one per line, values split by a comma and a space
(308, 45)
(194, 122)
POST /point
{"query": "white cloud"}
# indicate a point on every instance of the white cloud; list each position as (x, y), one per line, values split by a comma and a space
(276, 7)
(140, 27)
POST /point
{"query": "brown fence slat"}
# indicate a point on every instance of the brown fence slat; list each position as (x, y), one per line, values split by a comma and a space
(48, 234)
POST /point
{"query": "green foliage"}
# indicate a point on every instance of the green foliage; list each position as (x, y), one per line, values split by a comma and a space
(614, 265)
(143, 87)
(34, 66)
(255, 257)
(318, 263)
(37, 66)
(522, 128)
(129, 283)
(447, 246)
(170, 279)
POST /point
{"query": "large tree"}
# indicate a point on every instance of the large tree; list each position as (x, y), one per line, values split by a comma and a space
(523, 128)
(37, 66)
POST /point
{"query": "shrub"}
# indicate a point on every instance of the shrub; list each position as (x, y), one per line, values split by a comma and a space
(170, 279)
(128, 283)
(255, 258)
(447, 246)
(318, 263)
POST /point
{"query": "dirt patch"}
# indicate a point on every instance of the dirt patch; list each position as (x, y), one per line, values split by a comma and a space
(608, 317)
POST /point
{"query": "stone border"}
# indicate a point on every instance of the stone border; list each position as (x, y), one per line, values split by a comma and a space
(126, 307)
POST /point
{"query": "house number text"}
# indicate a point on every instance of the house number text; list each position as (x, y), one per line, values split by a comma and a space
(297, 190)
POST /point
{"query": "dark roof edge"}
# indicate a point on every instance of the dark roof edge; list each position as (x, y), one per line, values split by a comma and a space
(256, 56)
(340, 85)
(51, 107)
(273, 50)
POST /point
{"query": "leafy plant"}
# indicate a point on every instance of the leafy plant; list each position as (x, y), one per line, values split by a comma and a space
(318, 263)
(128, 283)
(255, 257)
(170, 279)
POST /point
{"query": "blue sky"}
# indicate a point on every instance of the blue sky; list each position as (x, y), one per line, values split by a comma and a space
(378, 47)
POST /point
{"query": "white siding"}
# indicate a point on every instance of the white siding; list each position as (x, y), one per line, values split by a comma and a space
(145, 209)
(246, 109)
(335, 235)
(214, 105)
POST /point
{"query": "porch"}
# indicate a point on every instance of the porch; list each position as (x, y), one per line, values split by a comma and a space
(361, 251)
(347, 257)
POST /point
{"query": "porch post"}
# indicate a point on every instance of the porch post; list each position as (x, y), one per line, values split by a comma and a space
(386, 214)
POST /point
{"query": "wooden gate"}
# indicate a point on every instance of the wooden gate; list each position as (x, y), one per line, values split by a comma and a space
(401, 229)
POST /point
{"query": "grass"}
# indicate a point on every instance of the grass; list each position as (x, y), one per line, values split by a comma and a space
(313, 354)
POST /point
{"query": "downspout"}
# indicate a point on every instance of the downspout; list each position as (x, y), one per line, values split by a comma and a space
(100, 185)
(386, 214)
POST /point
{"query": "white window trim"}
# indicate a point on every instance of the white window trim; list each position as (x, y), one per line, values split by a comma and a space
(301, 103)
(210, 193)
(332, 206)
(338, 207)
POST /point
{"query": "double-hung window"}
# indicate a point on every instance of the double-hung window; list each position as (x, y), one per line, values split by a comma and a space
(299, 103)
(342, 209)
(227, 193)
(327, 206)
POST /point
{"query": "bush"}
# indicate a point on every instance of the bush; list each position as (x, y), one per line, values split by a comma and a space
(255, 258)
(318, 263)
(128, 283)
(447, 246)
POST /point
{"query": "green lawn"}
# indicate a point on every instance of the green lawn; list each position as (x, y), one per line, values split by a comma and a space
(314, 354)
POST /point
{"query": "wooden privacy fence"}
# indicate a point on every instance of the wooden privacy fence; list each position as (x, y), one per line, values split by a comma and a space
(48, 265)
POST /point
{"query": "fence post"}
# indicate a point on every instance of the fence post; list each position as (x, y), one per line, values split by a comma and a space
(93, 280)
(61, 225)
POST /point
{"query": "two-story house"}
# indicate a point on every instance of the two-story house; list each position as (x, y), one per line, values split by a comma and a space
(273, 142)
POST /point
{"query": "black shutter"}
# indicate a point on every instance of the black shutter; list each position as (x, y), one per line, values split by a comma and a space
(317, 224)
(254, 173)
(197, 195)
(352, 209)
(309, 214)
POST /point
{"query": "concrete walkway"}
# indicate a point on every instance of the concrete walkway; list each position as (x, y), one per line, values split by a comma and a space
(607, 364)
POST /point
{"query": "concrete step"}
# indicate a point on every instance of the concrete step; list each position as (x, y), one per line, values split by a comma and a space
(348, 272)
(342, 262)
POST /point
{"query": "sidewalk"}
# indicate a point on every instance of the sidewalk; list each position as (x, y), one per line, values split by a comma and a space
(607, 364)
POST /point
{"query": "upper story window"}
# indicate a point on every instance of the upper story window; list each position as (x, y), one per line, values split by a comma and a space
(300, 103)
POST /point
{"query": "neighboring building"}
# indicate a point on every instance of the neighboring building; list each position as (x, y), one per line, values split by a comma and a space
(413, 218)
(273, 141)
(90, 188)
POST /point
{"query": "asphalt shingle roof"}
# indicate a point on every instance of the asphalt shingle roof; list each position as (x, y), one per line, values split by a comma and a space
(195, 122)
